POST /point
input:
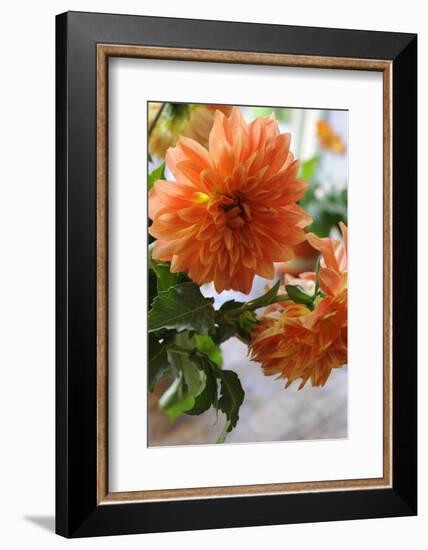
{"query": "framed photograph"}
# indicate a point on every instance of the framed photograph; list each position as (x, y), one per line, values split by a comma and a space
(236, 265)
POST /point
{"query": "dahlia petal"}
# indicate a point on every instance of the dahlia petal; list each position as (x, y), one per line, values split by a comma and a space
(249, 261)
(163, 250)
(282, 147)
(228, 238)
(172, 190)
(222, 261)
(172, 157)
(330, 281)
(225, 160)
(155, 203)
(217, 135)
(325, 246)
(207, 231)
(265, 270)
(192, 214)
(191, 172)
(195, 153)
(211, 180)
(199, 273)
(344, 231)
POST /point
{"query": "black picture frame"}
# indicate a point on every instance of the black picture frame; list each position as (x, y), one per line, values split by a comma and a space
(77, 512)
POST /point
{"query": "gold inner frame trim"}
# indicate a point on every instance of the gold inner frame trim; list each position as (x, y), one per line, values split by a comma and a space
(104, 51)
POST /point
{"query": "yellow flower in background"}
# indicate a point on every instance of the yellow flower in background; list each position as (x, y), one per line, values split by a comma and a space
(232, 212)
(179, 119)
(329, 140)
(295, 343)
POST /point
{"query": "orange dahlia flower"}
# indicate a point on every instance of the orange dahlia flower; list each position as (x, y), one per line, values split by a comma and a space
(194, 121)
(232, 212)
(295, 343)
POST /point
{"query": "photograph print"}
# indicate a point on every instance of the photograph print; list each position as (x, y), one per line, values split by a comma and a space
(248, 274)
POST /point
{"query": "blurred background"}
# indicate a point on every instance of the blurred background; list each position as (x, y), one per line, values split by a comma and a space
(270, 413)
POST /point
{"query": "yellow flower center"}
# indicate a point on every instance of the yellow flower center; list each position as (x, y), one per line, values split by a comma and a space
(201, 197)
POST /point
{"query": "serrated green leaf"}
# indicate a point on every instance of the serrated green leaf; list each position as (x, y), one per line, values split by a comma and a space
(182, 307)
(231, 396)
(297, 295)
(158, 361)
(157, 174)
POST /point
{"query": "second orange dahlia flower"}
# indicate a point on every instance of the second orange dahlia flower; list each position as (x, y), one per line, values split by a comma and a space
(231, 211)
(298, 344)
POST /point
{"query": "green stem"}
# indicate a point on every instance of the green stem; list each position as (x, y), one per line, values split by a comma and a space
(223, 435)
(279, 298)
(317, 271)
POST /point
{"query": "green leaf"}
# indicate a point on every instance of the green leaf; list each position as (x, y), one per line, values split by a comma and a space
(206, 345)
(246, 324)
(231, 396)
(157, 174)
(208, 396)
(297, 295)
(224, 331)
(181, 360)
(308, 168)
(202, 343)
(158, 361)
(153, 287)
(184, 340)
(266, 299)
(195, 387)
(176, 400)
(193, 356)
(238, 318)
(164, 277)
(231, 305)
(182, 307)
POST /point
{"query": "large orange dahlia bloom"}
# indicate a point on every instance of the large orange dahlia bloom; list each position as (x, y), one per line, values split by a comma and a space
(296, 343)
(232, 212)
